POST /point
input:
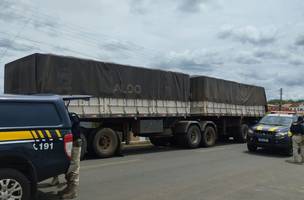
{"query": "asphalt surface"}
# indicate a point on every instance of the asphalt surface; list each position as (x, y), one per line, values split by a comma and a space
(226, 172)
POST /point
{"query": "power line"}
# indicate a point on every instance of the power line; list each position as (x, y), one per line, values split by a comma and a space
(281, 98)
(4, 52)
(73, 31)
(52, 45)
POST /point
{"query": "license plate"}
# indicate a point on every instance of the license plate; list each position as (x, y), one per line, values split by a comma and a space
(263, 140)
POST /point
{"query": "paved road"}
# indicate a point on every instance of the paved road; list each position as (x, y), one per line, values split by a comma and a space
(222, 172)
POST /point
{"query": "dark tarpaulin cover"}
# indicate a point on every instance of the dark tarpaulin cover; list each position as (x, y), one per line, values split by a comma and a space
(205, 88)
(45, 73)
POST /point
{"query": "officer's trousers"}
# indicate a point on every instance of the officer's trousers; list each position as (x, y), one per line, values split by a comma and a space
(298, 148)
(72, 175)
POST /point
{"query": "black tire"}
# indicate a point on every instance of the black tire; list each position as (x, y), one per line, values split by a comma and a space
(193, 137)
(288, 151)
(16, 177)
(105, 143)
(209, 137)
(241, 135)
(84, 146)
(159, 141)
(251, 147)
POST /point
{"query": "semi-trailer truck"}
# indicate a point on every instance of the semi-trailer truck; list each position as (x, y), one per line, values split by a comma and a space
(169, 108)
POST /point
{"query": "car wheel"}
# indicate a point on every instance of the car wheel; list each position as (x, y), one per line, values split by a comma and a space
(252, 147)
(14, 185)
(105, 143)
(288, 151)
(242, 133)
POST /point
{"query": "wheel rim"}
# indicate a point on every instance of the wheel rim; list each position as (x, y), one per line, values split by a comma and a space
(10, 189)
(105, 142)
(194, 137)
(209, 137)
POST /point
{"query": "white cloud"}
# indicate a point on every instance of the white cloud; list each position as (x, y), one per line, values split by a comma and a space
(271, 54)
(249, 34)
(245, 57)
(194, 6)
(193, 62)
(183, 35)
(185, 6)
(297, 60)
(8, 44)
(300, 40)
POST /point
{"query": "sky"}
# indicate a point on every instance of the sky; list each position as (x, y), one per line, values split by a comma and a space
(258, 42)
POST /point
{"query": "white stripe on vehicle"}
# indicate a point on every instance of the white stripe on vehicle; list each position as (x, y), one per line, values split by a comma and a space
(17, 142)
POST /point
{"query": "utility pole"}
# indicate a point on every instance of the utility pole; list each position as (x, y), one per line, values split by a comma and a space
(281, 99)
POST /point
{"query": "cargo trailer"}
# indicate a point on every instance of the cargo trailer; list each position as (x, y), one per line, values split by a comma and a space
(231, 106)
(169, 108)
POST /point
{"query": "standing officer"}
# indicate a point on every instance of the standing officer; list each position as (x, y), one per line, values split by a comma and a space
(72, 175)
(297, 131)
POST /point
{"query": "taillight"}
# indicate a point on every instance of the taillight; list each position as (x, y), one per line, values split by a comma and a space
(68, 144)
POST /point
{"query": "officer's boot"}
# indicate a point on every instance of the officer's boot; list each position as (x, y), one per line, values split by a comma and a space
(65, 190)
(302, 149)
(68, 178)
(55, 181)
(70, 192)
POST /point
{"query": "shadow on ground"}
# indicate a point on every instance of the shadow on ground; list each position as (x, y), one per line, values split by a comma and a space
(47, 192)
(276, 153)
(150, 149)
(47, 196)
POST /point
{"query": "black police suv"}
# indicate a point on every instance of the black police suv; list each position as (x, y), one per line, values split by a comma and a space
(273, 131)
(35, 143)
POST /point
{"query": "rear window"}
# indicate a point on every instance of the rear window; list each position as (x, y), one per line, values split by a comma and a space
(15, 114)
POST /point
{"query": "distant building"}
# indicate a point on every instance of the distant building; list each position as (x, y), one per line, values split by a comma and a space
(297, 107)
(287, 107)
(294, 107)
(273, 107)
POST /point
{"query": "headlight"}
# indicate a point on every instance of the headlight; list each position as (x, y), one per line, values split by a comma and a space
(250, 131)
(281, 134)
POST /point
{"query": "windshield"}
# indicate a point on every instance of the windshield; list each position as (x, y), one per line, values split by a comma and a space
(277, 120)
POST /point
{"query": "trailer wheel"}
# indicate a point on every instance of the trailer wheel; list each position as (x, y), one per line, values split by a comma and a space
(209, 137)
(159, 141)
(193, 137)
(84, 146)
(105, 143)
(241, 135)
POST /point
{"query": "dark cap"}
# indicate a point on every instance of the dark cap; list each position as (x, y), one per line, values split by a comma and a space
(300, 119)
(74, 118)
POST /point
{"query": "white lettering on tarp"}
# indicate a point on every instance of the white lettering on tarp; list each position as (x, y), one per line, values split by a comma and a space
(129, 89)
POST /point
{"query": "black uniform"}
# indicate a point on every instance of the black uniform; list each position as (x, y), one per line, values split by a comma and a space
(75, 129)
(297, 128)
